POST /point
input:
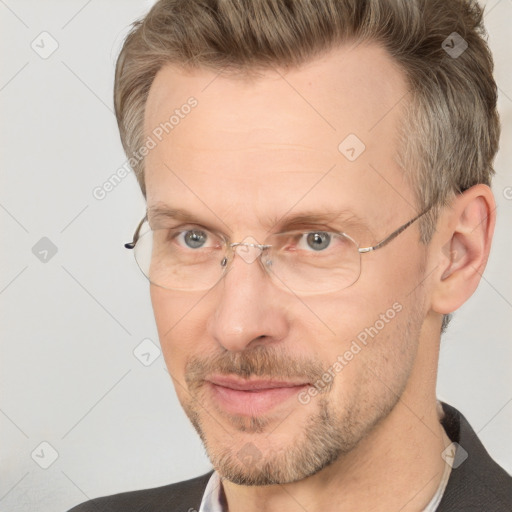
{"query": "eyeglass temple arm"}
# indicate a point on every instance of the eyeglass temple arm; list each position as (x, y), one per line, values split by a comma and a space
(131, 245)
(393, 235)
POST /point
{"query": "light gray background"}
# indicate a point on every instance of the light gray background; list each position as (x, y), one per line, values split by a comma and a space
(69, 326)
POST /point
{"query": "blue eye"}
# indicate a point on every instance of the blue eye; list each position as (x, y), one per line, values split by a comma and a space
(318, 241)
(193, 239)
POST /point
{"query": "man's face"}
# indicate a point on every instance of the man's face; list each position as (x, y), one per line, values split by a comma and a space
(252, 155)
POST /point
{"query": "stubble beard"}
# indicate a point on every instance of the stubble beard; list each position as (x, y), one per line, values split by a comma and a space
(326, 437)
(328, 433)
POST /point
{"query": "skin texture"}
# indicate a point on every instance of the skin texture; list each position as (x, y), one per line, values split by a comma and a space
(251, 152)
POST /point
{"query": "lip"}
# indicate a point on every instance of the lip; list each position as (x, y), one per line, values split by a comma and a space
(251, 397)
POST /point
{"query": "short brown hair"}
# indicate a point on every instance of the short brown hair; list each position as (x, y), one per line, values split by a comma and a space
(450, 130)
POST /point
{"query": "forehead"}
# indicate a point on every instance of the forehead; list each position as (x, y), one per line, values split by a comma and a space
(323, 135)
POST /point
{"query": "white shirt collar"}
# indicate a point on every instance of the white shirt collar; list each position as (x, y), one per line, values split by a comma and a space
(213, 495)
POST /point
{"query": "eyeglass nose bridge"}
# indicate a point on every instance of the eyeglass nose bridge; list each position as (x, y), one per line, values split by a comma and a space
(247, 251)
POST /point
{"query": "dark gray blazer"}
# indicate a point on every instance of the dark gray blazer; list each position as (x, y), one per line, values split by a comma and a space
(477, 485)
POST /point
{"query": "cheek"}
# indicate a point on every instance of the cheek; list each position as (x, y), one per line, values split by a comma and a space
(373, 358)
(373, 323)
(395, 270)
(180, 323)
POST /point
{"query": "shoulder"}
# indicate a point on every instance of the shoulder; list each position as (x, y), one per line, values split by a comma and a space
(178, 497)
(476, 482)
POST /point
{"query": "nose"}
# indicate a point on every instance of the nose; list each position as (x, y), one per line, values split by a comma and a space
(247, 311)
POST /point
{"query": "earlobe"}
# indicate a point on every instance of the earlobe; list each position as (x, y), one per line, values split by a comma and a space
(463, 245)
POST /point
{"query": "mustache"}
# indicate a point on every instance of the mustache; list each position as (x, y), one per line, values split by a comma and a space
(260, 361)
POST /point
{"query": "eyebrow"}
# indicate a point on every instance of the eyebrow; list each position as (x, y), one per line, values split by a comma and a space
(341, 218)
(162, 211)
(345, 219)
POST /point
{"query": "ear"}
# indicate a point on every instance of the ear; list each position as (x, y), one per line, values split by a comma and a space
(463, 242)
